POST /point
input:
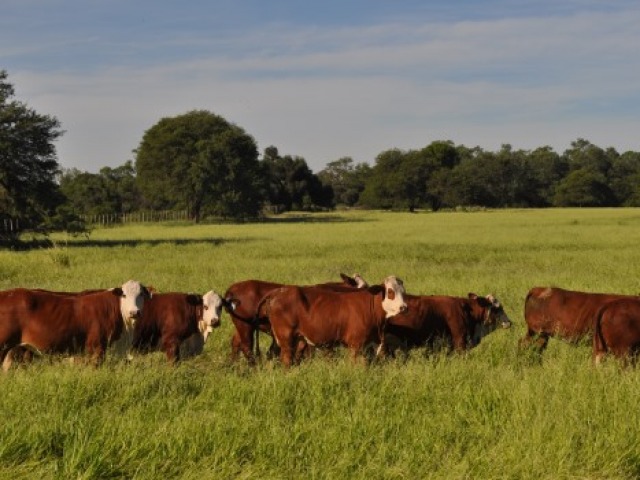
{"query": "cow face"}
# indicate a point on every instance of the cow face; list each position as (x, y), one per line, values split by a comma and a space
(393, 302)
(494, 316)
(132, 296)
(212, 305)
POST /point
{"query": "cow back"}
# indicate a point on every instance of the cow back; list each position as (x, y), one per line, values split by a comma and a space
(165, 315)
(565, 313)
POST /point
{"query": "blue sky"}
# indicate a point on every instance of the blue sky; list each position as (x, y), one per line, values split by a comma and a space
(325, 80)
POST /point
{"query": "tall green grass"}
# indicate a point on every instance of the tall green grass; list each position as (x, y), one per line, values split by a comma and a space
(492, 413)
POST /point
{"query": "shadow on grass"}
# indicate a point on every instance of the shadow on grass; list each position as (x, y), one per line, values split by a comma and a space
(45, 244)
(313, 219)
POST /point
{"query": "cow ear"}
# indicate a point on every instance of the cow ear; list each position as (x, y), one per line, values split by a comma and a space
(194, 299)
(473, 296)
(231, 303)
(376, 289)
(348, 280)
(149, 291)
(117, 291)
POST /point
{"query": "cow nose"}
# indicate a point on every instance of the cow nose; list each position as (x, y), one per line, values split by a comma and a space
(134, 313)
(215, 323)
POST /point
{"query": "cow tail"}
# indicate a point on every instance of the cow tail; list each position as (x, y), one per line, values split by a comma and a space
(263, 310)
(256, 330)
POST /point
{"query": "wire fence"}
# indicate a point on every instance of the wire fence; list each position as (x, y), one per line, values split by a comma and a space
(13, 226)
(136, 217)
(10, 225)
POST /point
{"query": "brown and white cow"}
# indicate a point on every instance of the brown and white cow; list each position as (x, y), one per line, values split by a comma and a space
(67, 323)
(459, 322)
(171, 319)
(567, 314)
(325, 317)
(617, 330)
(241, 302)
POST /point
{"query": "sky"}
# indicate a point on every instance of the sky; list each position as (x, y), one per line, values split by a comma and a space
(330, 79)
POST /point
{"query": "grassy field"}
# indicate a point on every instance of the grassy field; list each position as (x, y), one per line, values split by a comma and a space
(493, 413)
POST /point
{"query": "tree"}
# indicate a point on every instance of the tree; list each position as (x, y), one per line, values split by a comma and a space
(585, 187)
(113, 190)
(29, 194)
(346, 179)
(200, 162)
(547, 168)
(624, 179)
(291, 185)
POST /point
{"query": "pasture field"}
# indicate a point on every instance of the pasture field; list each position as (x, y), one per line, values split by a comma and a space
(495, 412)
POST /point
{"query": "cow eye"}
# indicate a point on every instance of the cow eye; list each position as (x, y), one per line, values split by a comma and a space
(206, 307)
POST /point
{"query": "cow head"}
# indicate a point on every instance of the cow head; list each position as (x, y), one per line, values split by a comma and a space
(393, 297)
(132, 296)
(212, 304)
(356, 281)
(492, 317)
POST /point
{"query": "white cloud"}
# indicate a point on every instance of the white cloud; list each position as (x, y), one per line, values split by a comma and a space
(323, 94)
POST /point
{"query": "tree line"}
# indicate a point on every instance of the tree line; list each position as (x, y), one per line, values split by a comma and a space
(201, 163)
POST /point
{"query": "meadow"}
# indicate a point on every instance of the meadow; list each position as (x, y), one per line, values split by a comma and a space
(495, 412)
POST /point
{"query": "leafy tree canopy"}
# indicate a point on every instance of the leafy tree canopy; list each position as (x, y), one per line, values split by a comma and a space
(29, 194)
(200, 162)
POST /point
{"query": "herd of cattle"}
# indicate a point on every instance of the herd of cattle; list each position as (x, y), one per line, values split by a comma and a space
(299, 319)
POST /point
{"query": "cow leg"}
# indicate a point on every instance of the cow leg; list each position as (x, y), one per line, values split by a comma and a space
(542, 342)
(96, 350)
(7, 361)
(171, 349)
(527, 339)
(242, 341)
(285, 340)
(274, 350)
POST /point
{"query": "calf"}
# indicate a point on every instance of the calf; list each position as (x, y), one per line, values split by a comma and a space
(169, 319)
(617, 330)
(241, 302)
(54, 323)
(567, 314)
(321, 316)
(460, 322)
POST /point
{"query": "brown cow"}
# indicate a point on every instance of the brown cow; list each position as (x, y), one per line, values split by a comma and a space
(320, 316)
(58, 323)
(169, 319)
(241, 302)
(617, 330)
(460, 322)
(567, 314)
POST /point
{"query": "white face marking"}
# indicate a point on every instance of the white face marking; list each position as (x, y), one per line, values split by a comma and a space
(211, 311)
(393, 302)
(131, 303)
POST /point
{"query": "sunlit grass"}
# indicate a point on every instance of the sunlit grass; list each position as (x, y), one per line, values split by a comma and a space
(492, 413)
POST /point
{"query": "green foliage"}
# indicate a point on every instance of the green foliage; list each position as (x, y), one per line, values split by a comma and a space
(200, 162)
(495, 412)
(28, 165)
(291, 184)
(584, 187)
(346, 179)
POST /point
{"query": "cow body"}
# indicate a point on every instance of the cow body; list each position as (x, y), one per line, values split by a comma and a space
(67, 323)
(171, 318)
(457, 321)
(617, 330)
(325, 317)
(567, 314)
(243, 299)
